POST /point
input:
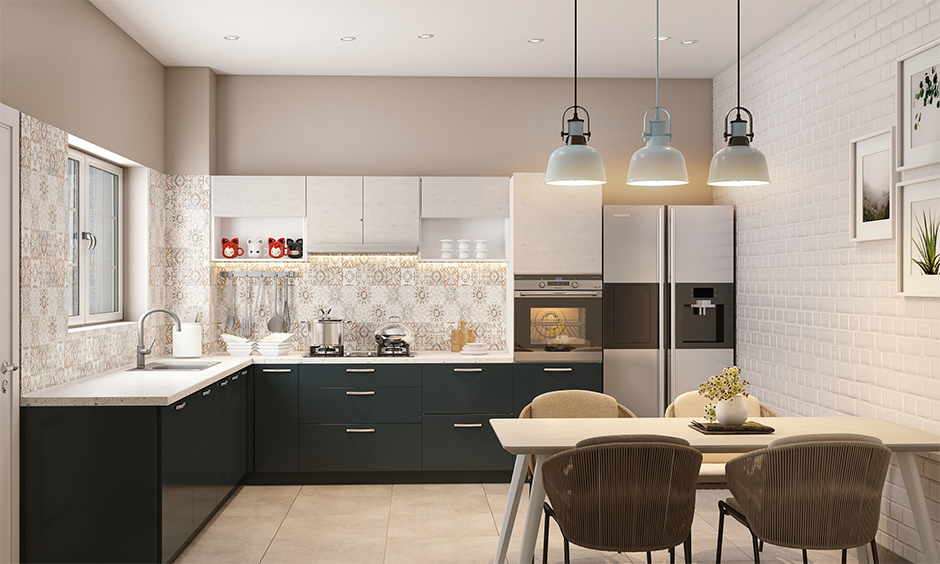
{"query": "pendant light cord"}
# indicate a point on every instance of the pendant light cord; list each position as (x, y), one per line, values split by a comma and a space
(576, 58)
(656, 39)
(739, 60)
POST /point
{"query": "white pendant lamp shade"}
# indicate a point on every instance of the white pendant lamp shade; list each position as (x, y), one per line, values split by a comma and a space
(575, 165)
(738, 164)
(657, 164)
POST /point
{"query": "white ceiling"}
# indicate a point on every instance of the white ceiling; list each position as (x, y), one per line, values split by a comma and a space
(471, 37)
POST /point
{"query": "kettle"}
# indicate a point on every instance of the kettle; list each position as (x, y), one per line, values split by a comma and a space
(325, 331)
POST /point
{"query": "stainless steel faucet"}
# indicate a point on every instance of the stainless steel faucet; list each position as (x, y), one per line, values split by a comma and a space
(142, 352)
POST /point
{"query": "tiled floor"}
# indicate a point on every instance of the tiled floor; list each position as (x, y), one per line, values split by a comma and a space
(420, 523)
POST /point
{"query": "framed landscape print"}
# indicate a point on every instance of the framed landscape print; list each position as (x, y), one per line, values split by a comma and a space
(919, 107)
(873, 177)
(918, 261)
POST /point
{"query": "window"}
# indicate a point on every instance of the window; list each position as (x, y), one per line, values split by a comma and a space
(94, 261)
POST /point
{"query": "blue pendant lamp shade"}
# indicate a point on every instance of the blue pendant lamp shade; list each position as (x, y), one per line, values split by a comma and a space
(575, 163)
(739, 164)
(657, 164)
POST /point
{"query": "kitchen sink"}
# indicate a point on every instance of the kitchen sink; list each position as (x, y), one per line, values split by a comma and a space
(175, 366)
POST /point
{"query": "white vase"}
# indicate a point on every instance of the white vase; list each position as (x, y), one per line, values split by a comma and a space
(732, 411)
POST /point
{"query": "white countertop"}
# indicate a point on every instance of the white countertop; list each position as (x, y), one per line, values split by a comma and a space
(121, 387)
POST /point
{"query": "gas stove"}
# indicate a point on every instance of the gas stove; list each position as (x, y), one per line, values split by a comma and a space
(381, 351)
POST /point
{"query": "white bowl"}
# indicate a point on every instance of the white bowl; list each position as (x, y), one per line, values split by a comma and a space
(277, 338)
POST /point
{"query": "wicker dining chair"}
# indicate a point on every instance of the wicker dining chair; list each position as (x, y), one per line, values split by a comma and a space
(812, 492)
(692, 404)
(625, 493)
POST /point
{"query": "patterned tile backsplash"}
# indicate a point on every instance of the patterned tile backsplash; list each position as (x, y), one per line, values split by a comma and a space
(430, 298)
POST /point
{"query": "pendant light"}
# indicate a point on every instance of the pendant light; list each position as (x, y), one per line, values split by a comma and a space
(575, 164)
(739, 164)
(657, 164)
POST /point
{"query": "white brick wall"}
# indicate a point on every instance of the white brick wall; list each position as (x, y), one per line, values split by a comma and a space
(820, 329)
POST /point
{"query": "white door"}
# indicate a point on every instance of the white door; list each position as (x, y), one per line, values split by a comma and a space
(9, 333)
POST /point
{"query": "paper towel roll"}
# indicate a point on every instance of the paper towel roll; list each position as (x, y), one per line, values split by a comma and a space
(188, 342)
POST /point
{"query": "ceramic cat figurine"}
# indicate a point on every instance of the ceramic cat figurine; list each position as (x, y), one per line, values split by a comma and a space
(230, 248)
(276, 247)
(255, 248)
(295, 249)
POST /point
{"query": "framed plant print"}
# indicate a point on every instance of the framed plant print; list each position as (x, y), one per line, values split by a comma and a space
(918, 261)
(872, 178)
(919, 107)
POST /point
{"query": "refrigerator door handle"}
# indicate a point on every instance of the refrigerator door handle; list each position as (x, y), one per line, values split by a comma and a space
(661, 279)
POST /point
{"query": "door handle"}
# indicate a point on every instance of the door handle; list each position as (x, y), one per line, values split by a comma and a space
(360, 370)
(468, 370)
(468, 425)
(8, 367)
(360, 430)
(370, 393)
(558, 369)
(92, 240)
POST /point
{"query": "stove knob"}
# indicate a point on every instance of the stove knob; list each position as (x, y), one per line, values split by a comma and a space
(574, 284)
(541, 284)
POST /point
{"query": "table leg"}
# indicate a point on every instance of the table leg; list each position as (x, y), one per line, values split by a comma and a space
(512, 507)
(533, 517)
(915, 494)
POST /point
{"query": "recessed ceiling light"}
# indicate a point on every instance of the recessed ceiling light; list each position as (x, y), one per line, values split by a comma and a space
(347, 38)
(536, 40)
(662, 38)
(690, 42)
(425, 36)
(231, 38)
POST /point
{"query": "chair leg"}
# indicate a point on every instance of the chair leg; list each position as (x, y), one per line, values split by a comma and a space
(649, 557)
(687, 549)
(844, 555)
(672, 555)
(567, 553)
(874, 552)
(756, 552)
(545, 542)
(761, 547)
(721, 526)
(805, 561)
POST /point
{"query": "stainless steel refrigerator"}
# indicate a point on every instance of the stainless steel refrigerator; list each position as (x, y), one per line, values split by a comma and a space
(668, 301)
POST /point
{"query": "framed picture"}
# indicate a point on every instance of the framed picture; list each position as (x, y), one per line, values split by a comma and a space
(918, 262)
(873, 177)
(919, 107)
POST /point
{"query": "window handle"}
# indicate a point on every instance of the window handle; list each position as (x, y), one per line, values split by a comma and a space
(92, 240)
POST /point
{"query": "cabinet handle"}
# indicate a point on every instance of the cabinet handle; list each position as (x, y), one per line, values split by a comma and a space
(360, 430)
(223, 383)
(180, 406)
(468, 370)
(557, 369)
(275, 369)
(467, 425)
(370, 393)
(207, 392)
(235, 377)
(360, 370)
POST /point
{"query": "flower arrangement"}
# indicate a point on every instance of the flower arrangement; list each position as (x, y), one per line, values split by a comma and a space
(722, 386)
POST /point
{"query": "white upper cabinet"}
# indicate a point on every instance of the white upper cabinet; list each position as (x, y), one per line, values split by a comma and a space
(362, 214)
(556, 229)
(258, 196)
(463, 196)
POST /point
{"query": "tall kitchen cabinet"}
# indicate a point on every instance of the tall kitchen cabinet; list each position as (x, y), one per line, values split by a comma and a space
(349, 214)
(556, 229)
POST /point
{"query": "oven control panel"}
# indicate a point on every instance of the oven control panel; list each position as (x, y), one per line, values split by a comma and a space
(558, 282)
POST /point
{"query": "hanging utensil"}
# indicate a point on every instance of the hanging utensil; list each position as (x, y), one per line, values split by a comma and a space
(262, 298)
(246, 320)
(276, 323)
(230, 320)
(285, 311)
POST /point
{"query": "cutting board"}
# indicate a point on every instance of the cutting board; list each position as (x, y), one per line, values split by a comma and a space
(460, 337)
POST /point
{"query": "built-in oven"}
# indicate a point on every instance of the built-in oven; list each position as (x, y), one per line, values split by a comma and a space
(558, 318)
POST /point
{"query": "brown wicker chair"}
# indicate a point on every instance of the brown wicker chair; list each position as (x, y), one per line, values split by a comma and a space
(692, 404)
(624, 494)
(816, 492)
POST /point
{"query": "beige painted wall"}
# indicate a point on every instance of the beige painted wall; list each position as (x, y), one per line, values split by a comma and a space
(190, 120)
(451, 126)
(65, 63)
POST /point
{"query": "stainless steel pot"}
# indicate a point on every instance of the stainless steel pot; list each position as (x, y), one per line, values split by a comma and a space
(393, 333)
(326, 331)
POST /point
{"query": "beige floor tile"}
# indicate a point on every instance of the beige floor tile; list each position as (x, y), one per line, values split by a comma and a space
(442, 505)
(501, 489)
(423, 525)
(254, 505)
(224, 526)
(400, 490)
(329, 504)
(310, 526)
(325, 551)
(354, 490)
(267, 492)
(439, 550)
(223, 551)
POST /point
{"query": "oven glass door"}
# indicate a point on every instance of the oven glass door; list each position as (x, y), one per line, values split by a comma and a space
(557, 324)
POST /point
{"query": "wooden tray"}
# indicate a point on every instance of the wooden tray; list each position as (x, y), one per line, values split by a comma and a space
(749, 428)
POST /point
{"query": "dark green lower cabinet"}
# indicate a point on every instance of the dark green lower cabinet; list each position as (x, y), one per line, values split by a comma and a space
(533, 379)
(176, 448)
(463, 442)
(275, 416)
(380, 447)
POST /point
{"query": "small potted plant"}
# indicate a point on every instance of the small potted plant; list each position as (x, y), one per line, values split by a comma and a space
(727, 392)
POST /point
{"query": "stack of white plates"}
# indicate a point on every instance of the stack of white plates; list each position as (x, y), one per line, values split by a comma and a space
(474, 348)
(277, 338)
(238, 346)
(274, 349)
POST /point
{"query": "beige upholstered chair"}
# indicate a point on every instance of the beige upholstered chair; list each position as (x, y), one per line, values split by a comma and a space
(692, 404)
(624, 494)
(816, 492)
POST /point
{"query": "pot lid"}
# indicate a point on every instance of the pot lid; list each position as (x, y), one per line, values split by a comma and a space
(393, 330)
(325, 317)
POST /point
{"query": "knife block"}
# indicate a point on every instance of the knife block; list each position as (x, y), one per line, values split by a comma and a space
(460, 337)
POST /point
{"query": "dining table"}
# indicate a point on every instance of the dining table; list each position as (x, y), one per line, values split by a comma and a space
(542, 438)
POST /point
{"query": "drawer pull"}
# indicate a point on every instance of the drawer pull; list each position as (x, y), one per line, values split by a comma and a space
(235, 377)
(360, 393)
(223, 383)
(207, 392)
(468, 370)
(360, 370)
(275, 369)
(557, 369)
(360, 430)
(467, 425)
(181, 406)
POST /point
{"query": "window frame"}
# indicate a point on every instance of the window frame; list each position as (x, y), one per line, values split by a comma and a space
(84, 318)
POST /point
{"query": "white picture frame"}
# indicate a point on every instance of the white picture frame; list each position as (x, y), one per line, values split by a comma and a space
(917, 199)
(918, 131)
(872, 180)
